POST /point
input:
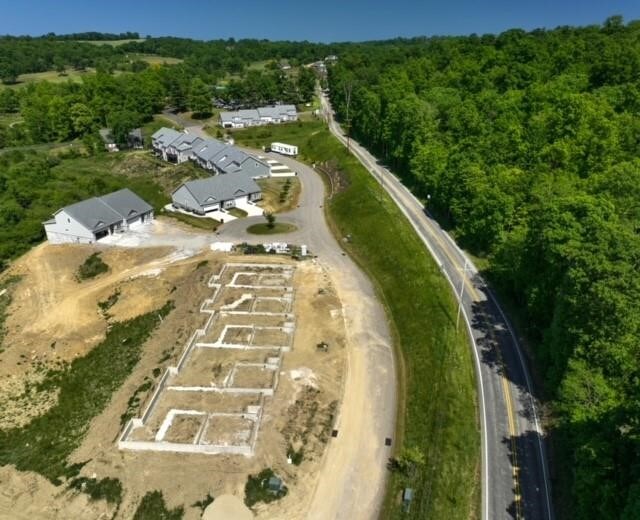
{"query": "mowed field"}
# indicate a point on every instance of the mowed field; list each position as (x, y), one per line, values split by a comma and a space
(439, 412)
(77, 75)
(112, 43)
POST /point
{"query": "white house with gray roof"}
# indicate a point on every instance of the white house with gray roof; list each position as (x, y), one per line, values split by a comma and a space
(222, 158)
(210, 154)
(202, 196)
(182, 148)
(161, 140)
(260, 116)
(87, 221)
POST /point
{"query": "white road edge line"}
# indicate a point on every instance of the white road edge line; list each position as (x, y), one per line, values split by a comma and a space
(485, 444)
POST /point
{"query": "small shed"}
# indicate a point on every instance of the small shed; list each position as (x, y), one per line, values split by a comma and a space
(135, 139)
(108, 140)
(407, 498)
(274, 484)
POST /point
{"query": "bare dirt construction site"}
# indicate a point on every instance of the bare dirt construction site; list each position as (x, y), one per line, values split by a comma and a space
(246, 370)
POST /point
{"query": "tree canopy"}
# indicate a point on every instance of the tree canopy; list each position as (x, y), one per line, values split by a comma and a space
(528, 146)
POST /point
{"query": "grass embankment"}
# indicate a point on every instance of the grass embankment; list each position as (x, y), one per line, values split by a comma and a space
(237, 212)
(264, 228)
(85, 388)
(279, 194)
(438, 413)
(207, 224)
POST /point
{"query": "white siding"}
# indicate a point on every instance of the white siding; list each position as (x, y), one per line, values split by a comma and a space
(67, 230)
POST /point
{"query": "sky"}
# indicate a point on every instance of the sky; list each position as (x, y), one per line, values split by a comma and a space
(317, 20)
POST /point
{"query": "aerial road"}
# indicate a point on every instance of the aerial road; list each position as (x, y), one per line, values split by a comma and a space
(515, 475)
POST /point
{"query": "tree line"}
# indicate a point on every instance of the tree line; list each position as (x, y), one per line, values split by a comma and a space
(527, 145)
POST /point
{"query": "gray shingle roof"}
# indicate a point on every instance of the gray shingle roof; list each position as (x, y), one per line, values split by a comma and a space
(98, 213)
(185, 141)
(165, 136)
(220, 188)
(209, 149)
(255, 114)
(277, 111)
(126, 203)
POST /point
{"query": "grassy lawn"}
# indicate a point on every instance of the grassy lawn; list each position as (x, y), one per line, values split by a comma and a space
(237, 212)
(153, 59)
(264, 229)
(297, 133)
(52, 76)
(438, 411)
(112, 43)
(85, 388)
(208, 224)
(275, 197)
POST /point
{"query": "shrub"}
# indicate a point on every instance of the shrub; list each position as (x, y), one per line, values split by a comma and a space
(92, 267)
(257, 489)
(153, 507)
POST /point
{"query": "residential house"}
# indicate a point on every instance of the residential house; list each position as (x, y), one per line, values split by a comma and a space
(87, 221)
(223, 158)
(161, 140)
(202, 196)
(182, 148)
(260, 116)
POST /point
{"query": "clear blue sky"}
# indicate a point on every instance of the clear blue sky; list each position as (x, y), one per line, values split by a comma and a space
(317, 20)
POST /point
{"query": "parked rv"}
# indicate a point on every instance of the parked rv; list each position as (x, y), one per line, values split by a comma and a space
(284, 149)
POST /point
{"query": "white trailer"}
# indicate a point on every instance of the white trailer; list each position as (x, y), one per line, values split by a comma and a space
(284, 149)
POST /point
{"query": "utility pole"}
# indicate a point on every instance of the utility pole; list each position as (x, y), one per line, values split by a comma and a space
(460, 296)
(348, 87)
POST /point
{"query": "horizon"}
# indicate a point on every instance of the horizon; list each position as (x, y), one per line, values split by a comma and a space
(316, 23)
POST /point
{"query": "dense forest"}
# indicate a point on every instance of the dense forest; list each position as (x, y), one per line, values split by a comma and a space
(211, 60)
(528, 146)
(125, 91)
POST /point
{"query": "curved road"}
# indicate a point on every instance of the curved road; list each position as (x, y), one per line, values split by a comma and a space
(515, 476)
(353, 476)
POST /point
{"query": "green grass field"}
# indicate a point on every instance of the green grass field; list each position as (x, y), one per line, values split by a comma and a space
(112, 43)
(438, 411)
(153, 59)
(50, 75)
(206, 224)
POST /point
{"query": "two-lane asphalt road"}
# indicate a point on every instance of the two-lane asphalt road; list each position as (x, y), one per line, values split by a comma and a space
(515, 476)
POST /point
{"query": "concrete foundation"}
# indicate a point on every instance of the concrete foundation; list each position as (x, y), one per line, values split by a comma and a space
(222, 382)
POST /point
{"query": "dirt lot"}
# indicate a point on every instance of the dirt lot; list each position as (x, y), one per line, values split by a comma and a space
(53, 319)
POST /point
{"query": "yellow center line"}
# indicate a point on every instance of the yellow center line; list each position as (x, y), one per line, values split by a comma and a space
(506, 389)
